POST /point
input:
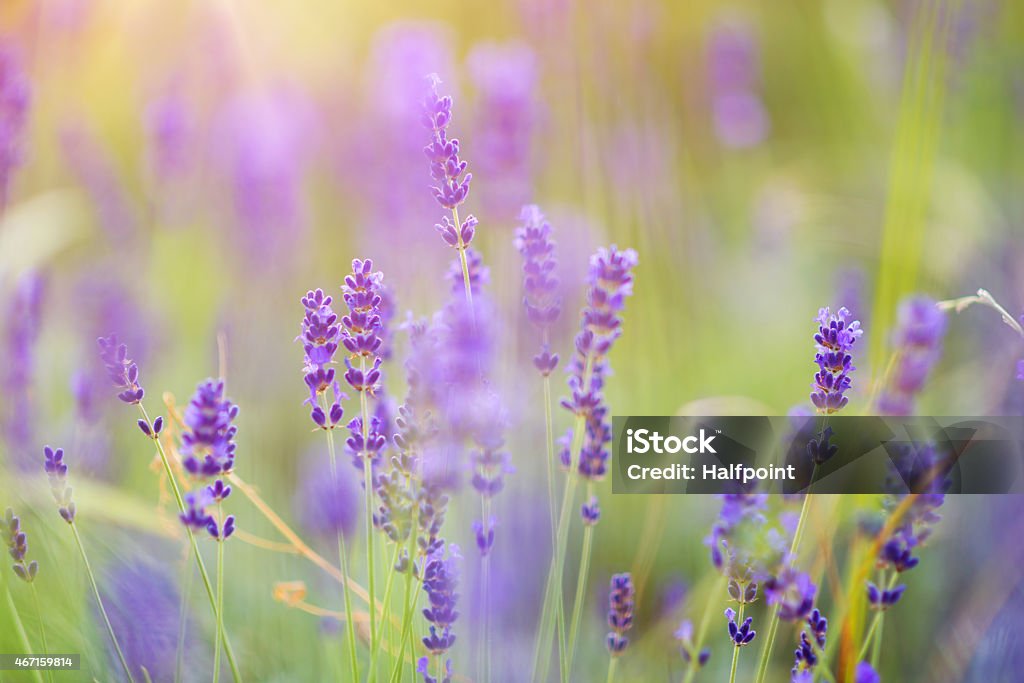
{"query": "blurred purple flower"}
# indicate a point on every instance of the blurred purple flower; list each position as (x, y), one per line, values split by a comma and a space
(505, 77)
(122, 371)
(17, 547)
(740, 118)
(866, 673)
(792, 592)
(95, 169)
(920, 327)
(57, 474)
(479, 274)
(23, 317)
(621, 603)
(541, 288)
(812, 641)
(327, 505)
(740, 634)
(833, 342)
(208, 442)
(684, 637)
(15, 99)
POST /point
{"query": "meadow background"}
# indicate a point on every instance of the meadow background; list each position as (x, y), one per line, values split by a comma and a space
(188, 170)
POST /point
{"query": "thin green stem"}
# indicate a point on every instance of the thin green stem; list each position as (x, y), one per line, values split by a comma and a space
(42, 628)
(368, 483)
(581, 586)
(99, 603)
(549, 434)
(462, 258)
(736, 648)
(773, 621)
(705, 620)
(876, 623)
(195, 546)
(396, 672)
(220, 599)
(350, 629)
(19, 628)
(386, 614)
(612, 663)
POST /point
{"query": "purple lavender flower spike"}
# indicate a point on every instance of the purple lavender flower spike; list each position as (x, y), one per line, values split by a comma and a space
(479, 274)
(22, 318)
(327, 505)
(57, 474)
(792, 591)
(740, 118)
(320, 335)
(195, 515)
(866, 673)
(208, 443)
(440, 581)
(812, 641)
(738, 510)
(833, 342)
(361, 328)
(446, 168)
(484, 536)
(15, 99)
(740, 634)
(684, 636)
(920, 327)
(883, 599)
(591, 512)
(541, 291)
(17, 547)
(423, 668)
(819, 450)
(621, 603)
(122, 371)
(1020, 370)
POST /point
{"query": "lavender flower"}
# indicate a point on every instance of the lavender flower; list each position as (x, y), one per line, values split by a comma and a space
(919, 330)
(320, 335)
(122, 371)
(541, 295)
(812, 641)
(195, 515)
(440, 581)
(326, 505)
(819, 450)
(360, 328)
(446, 168)
(15, 99)
(866, 673)
(17, 547)
(23, 317)
(684, 636)
(423, 668)
(479, 274)
(739, 114)
(884, 598)
(591, 512)
(792, 591)
(57, 473)
(621, 603)
(208, 443)
(741, 634)
(833, 342)
(610, 281)
(738, 511)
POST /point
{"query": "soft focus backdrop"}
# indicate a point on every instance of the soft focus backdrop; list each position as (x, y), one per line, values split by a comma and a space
(175, 172)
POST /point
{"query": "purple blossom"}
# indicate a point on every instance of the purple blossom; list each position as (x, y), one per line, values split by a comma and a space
(208, 442)
(446, 168)
(17, 547)
(591, 512)
(440, 582)
(541, 291)
(15, 99)
(479, 274)
(740, 634)
(819, 450)
(884, 598)
(23, 318)
(833, 341)
(1020, 370)
(122, 371)
(737, 509)
(361, 327)
(57, 474)
(740, 118)
(423, 668)
(792, 591)
(505, 77)
(684, 636)
(90, 159)
(327, 505)
(195, 515)
(866, 673)
(621, 603)
(320, 334)
(920, 327)
(812, 641)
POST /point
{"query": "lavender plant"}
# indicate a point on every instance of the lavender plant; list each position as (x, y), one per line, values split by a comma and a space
(919, 330)
(15, 102)
(440, 581)
(23, 316)
(621, 603)
(17, 548)
(57, 474)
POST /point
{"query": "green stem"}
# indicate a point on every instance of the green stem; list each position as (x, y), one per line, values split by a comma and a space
(386, 614)
(368, 483)
(736, 648)
(99, 603)
(581, 586)
(396, 672)
(876, 623)
(220, 599)
(42, 629)
(195, 546)
(705, 620)
(350, 629)
(549, 430)
(612, 663)
(485, 598)
(19, 628)
(773, 622)
(462, 260)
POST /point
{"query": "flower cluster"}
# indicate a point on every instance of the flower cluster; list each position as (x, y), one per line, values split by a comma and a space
(865, 673)
(446, 168)
(122, 371)
(621, 603)
(17, 547)
(739, 510)
(792, 591)
(57, 473)
(884, 598)
(918, 339)
(541, 294)
(812, 642)
(833, 341)
(198, 518)
(740, 118)
(208, 443)
(684, 636)
(440, 582)
(610, 281)
(479, 274)
(22, 321)
(15, 98)
(740, 634)
(319, 334)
